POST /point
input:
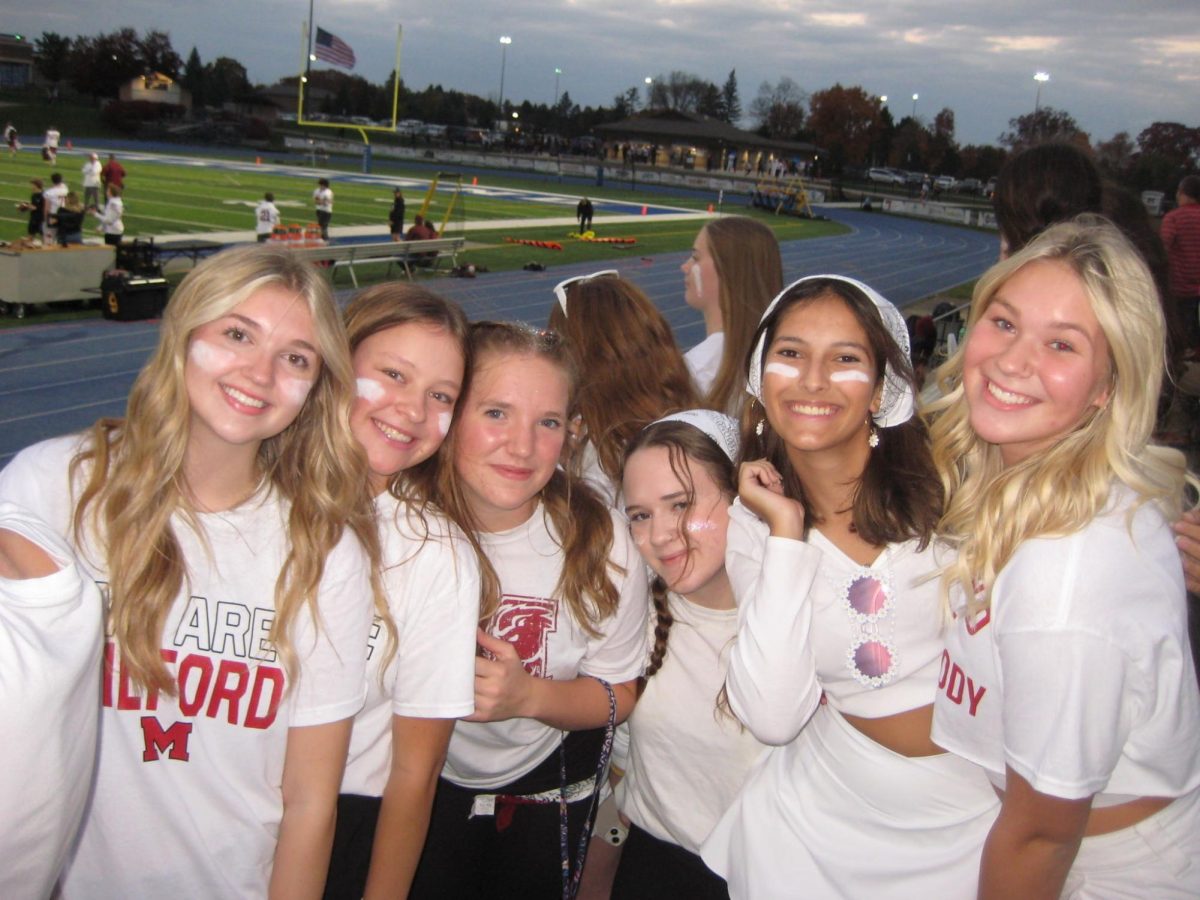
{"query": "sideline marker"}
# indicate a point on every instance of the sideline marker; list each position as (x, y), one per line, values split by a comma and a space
(474, 180)
(710, 207)
(258, 162)
(645, 210)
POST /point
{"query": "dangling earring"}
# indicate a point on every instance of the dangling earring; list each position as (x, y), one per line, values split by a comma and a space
(873, 438)
(760, 427)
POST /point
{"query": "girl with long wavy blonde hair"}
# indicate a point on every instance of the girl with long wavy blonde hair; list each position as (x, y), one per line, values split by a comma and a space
(562, 645)
(1067, 673)
(228, 518)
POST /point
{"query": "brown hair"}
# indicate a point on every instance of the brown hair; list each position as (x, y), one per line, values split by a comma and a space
(390, 305)
(899, 493)
(635, 372)
(580, 519)
(749, 269)
(1043, 185)
(686, 446)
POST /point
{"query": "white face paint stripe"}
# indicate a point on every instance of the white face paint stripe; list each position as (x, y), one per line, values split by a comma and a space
(369, 389)
(210, 357)
(778, 368)
(295, 389)
(697, 279)
(443, 422)
(851, 375)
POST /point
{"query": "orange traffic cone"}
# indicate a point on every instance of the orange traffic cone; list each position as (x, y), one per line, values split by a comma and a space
(474, 180)
(258, 160)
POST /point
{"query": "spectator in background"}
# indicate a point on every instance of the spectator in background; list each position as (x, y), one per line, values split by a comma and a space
(1181, 235)
(113, 173)
(54, 197)
(10, 138)
(583, 212)
(1040, 186)
(68, 221)
(396, 216)
(111, 218)
(323, 201)
(36, 207)
(50, 145)
(420, 231)
(266, 217)
(91, 182)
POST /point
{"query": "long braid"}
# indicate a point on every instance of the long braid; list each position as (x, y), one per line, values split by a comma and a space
(662, 627)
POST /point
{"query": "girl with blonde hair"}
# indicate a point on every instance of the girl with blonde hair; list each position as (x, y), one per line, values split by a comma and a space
(731, 275)
(562, 643)
(410, 352)
(635, 372)
(1067, 674)
(228, 520)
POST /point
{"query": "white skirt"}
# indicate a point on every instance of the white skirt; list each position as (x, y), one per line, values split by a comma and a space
(834, 814)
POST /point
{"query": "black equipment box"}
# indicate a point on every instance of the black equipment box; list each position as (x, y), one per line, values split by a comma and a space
(126, 297)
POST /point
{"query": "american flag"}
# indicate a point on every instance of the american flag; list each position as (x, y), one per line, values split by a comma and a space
(333, 49)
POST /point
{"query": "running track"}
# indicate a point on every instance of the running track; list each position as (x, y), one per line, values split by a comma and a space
(59, 378)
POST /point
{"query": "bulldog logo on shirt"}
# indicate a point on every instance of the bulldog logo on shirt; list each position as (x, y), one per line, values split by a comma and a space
(526, 623)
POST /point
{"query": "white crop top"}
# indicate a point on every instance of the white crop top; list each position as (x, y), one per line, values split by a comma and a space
(813, 621)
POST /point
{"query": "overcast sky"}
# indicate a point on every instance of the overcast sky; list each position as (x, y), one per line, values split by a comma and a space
(1115, 65)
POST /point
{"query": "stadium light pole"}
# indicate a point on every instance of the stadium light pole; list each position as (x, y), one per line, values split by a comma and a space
(1041, 78)
(557, 72)
(916, 97)
(505, 40)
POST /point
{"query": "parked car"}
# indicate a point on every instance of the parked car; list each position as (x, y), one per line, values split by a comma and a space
(885, 176)
(945, 182)
(989, 189)
(970, 186)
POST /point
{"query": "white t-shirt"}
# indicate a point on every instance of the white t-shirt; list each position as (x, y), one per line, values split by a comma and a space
(50, 635)
(704, 360)
(1080, 676)
(528, 561)
(813, 621)
(323, 199)
(266, 217)
(687, 761)
(188, 794)
(52, 138)
(54, 197)
(432, 585)
(91, 173)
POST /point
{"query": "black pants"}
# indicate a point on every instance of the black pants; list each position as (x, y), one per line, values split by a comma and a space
(323, 219)
(352, 840)
(113, 240)
(482, 857)
(651, 869)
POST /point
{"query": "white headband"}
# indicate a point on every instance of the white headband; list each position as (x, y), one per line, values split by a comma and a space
(721, 428)
(560, 289)
(898, 403)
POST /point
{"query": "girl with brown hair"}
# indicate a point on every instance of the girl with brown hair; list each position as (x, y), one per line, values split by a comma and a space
(635, 372)
(562, 644)
(733, 272)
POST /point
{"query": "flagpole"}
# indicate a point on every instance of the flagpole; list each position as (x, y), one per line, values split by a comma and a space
(308, 48)
(304, 31)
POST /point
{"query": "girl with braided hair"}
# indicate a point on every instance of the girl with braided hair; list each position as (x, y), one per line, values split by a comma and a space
(686, 757)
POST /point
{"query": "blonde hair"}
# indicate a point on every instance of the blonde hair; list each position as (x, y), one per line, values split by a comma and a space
(991, 509)
(135, 481)
(636, 373)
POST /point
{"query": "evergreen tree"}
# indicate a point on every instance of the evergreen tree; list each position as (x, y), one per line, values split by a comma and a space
(731, 104)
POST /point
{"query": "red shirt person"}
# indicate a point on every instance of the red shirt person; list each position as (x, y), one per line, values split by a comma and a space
(112, 173)
(1181, 236)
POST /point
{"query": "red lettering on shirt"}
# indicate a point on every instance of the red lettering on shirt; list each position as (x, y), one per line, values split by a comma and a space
(956, 684)
(527, 623)
(173, 740)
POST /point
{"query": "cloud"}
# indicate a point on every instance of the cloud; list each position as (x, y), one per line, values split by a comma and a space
(838, 20)
(1022, 44)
